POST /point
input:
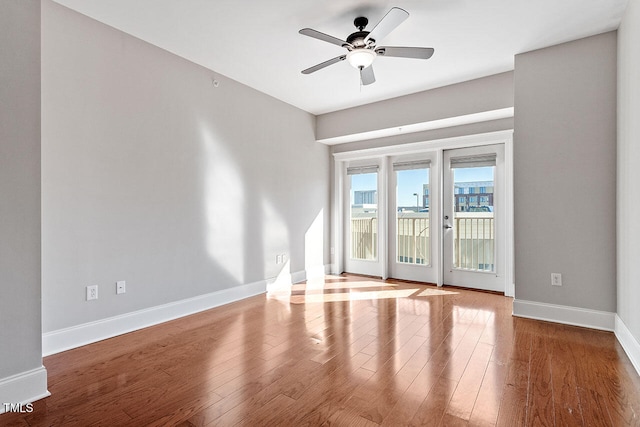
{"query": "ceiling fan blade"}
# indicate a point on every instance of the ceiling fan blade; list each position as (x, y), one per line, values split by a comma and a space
(388, 23)
(324, 64)
(405, 52)
(366, 75)
(324, 37)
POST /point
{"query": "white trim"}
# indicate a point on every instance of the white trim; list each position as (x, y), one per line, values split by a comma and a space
(383, 220)
(87, 333)
(509, 223)
(575, 316)
(485, 116)
(23, 388)
(510, 290)
(337, 218)
(436, 225)
(628, 342)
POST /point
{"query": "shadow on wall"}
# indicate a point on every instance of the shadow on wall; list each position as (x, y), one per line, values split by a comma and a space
(252, 225)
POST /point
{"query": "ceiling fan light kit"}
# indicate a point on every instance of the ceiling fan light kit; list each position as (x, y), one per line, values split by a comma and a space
(361, 45)
(361, 58)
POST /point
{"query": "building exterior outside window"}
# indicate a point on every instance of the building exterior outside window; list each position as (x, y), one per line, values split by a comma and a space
(482, 196)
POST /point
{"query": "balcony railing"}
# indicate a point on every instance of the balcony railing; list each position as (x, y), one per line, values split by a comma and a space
(473, 239)
(364, 238)
(413, 238)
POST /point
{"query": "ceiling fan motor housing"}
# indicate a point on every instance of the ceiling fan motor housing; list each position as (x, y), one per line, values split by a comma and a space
(357, 39)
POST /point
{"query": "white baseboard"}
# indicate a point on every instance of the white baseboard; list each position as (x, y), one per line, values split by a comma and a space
(628, 342)
(298, 276)
(87, 333)
(316, 272)
(594, 319)
(23, 388)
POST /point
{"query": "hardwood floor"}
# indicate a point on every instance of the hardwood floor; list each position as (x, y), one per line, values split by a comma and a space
(346, 351)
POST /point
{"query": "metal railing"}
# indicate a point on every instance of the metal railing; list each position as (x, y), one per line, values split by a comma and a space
(412, 234)
(364, 238)
(473, 239)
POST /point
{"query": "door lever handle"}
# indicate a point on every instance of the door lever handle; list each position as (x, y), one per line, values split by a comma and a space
(447, 226)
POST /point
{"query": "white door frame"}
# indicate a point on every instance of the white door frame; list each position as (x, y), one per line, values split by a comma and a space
(340, 163)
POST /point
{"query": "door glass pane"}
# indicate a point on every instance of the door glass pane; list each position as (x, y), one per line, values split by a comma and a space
(364, 216)
(412, 218)
(473, 218)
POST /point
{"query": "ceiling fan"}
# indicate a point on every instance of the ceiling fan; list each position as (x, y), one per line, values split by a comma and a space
(362, 48)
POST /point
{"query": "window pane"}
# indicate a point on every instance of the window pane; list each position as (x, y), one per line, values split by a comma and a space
(364, 216)
(412, 222)
(473, 224)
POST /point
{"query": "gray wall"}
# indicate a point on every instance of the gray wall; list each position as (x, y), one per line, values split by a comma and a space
(565, 173)
(429, 135)
(628, 169)
(20, 334)
(474, 96)
(154, 176)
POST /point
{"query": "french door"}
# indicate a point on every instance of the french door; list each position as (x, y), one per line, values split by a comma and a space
(363, 226)
(436, 216)
(413, 235)
(474, 218)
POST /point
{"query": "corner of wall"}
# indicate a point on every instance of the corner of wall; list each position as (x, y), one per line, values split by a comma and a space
(23, 388)
(628, 342)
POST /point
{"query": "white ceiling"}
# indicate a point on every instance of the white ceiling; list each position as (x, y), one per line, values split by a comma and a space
(257, 42)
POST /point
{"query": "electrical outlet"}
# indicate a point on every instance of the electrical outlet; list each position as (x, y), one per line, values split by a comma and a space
(278, 259)
(121, 287)
(556, 279)
(92, 292)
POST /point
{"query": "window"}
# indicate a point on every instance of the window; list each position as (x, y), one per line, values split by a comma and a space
(412, 207)
(364, 212)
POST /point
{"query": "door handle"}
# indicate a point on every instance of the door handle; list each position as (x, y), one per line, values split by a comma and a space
(447, 226)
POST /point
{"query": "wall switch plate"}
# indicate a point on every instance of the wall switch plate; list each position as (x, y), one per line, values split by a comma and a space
(556, 279)
(278, 259)
(121, 287)
(92, 292)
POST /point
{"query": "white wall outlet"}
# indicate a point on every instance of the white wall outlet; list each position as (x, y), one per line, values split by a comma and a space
(556, 279)
(92, 292)
(121, 287)
(278, 259)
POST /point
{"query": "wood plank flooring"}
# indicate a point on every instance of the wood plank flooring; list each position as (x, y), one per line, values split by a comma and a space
(346, 351)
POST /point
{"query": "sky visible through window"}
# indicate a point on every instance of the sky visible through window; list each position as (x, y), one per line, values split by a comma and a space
(411, 182)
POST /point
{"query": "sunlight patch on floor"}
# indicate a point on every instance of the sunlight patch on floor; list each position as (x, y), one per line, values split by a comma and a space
(340, 285)
(430, 292)
(351, 296)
